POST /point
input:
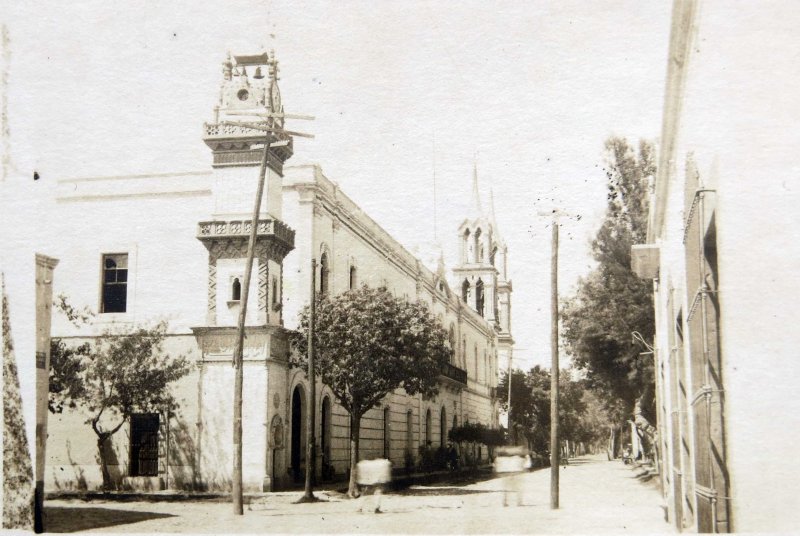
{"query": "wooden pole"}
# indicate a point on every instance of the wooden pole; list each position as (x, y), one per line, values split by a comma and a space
(512, 439)
(239, 348)
(554, 444)
(312, 390)
(44, 303)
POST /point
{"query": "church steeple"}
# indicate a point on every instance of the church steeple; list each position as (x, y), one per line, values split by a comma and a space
(481, 276)
(475, 202)
(477, 277)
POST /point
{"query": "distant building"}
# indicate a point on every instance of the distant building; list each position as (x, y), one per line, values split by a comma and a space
(722, 255)
(138, 248)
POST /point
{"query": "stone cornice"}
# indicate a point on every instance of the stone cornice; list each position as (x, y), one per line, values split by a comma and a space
(46, 262)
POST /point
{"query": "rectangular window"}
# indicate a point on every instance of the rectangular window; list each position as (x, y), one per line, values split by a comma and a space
(115, 283)
(144, 444)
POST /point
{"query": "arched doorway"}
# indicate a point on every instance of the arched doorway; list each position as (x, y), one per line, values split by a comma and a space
(325, 438)
(298, 434)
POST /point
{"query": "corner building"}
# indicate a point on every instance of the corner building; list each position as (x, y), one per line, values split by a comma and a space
(721, 250)
(136, 249)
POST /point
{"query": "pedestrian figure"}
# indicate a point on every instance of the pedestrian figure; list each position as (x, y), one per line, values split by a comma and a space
(510, 461)
(373, 474)
(452, 456)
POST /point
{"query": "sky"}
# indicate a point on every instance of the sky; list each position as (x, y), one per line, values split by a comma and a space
(401, 91)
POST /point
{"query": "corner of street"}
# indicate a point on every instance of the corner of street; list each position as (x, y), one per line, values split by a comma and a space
(597, 496)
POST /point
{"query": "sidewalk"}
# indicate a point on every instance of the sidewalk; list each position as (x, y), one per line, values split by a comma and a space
(597, 496)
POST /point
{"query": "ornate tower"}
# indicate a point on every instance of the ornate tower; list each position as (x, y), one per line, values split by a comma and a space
(248, 91)
(481, 277)
(249, 94)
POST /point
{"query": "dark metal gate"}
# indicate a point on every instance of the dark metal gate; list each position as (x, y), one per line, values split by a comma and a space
(144, 444)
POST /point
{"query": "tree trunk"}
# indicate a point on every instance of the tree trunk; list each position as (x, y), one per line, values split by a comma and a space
(101, 440)
(644, 425)
(611, 442)
(355, 432)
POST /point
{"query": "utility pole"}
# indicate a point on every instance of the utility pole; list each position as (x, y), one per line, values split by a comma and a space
(511, 436)
(554, 443)
(308, 496)
(239, 348)
(270, 129)
(555, 450)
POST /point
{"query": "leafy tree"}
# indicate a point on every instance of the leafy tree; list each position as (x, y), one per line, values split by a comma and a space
(612, 302)
(530, 405)
(530, 408)
(117, 374)
(474, 433)
(369, 343)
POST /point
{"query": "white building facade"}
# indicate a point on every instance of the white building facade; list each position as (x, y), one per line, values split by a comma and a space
(721, 253)
(136, 249)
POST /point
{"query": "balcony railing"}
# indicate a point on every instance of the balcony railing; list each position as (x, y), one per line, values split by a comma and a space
(454, 373)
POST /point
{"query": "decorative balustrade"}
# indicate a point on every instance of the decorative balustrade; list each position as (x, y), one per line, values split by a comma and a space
(454, 373)
(241, 229)
(221, 130)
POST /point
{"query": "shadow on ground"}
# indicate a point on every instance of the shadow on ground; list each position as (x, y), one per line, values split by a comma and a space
(64, 519)
(442, 490)
(582, 461)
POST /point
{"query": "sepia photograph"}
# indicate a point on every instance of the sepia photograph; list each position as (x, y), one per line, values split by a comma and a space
(390, 267)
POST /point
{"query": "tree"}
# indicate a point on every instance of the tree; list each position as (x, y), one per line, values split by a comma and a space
(579, 420)
(368, 344)
(122, 372)
(473, 434)
(612, 302)
(530, 406)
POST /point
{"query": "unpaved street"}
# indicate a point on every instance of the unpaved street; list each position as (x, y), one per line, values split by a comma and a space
(597, 496)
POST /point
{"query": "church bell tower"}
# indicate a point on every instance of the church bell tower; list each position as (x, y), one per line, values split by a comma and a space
(481, 277)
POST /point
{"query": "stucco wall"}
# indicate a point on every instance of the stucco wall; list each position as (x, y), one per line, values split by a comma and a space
(738, 123)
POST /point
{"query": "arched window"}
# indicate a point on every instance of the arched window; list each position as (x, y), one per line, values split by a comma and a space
(455, 422)
(386, 433)
(428, 431)
(479, 297)
(443, 427)
(465, 291)
(323, 274)
(451, 338)
(409, 437)
(276, 299)
(493, 256)
(325, 435)
(478, 249)
(353, 281)
(236, 290)
(465, 247)
(464, 352)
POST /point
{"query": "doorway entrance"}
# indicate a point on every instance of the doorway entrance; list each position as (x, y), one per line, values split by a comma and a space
(298, 434)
